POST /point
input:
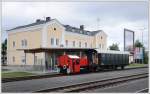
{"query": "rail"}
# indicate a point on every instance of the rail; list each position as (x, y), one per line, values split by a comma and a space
(95, 84)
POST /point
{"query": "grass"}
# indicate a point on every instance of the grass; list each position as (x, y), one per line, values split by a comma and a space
(136, 65)
(15, 74)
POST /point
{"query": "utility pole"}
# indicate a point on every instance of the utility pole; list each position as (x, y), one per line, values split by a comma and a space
(142, 43)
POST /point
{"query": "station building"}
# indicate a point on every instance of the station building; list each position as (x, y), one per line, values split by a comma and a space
(44, 39)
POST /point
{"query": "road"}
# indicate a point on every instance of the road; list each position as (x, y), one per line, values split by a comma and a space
(40, 84)
(129, 87)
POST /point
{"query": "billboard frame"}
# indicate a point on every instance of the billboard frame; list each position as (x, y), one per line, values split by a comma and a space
(125, 40)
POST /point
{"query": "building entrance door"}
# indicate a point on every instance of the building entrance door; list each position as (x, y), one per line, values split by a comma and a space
(49, 63)
(52, 62)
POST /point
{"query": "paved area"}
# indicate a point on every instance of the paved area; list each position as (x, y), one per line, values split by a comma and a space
(46, 83)
(129, 87)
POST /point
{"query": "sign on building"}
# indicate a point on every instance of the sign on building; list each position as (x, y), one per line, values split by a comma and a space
(138, 53)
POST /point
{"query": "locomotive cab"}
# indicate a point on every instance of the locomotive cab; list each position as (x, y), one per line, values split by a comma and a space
(71, 63)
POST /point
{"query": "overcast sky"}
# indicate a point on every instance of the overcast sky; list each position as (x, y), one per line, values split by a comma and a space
(111, 17)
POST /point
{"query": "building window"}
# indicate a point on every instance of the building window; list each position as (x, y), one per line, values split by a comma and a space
(79, 44)
(13, 43)
(66, 42)
(85, 44)
(101, 37)
(99, 45)
(22, 43)
(57, 41)
(55, 29)
(73, 43)
(25, 43)
(13, 59)
(35, 62)
(52, 41)
(23, 59)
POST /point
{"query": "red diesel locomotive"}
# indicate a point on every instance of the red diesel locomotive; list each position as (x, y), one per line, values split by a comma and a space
(93, 60)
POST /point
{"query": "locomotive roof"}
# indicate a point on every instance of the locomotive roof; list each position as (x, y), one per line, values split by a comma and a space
(111, 51)
(73, 56)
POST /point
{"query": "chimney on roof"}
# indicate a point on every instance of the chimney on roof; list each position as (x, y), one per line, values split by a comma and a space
(82, 27)
(38, 20)
(48, 18)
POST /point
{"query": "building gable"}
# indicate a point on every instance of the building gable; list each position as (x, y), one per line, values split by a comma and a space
(51, 29)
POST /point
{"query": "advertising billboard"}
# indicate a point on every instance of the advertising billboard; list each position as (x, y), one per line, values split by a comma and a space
(128, 40)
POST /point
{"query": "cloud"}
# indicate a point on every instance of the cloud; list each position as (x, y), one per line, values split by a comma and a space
(114, 16)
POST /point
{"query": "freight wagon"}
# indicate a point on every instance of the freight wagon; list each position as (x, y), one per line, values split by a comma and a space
(112, 59)
(93, 60)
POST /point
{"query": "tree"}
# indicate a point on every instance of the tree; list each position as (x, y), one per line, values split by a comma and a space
(138, 44)
(114, 46)
(4, 52)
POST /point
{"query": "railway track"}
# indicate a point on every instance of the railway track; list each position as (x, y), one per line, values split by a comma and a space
(4, 80)
(95, 84)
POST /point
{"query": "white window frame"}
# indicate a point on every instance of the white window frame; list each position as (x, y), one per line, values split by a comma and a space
(25, 43)
(66, 42)
(22, 43)
(52, 42)
(57, 41)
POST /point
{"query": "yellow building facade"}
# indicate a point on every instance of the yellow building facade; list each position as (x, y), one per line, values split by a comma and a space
(49, 33)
